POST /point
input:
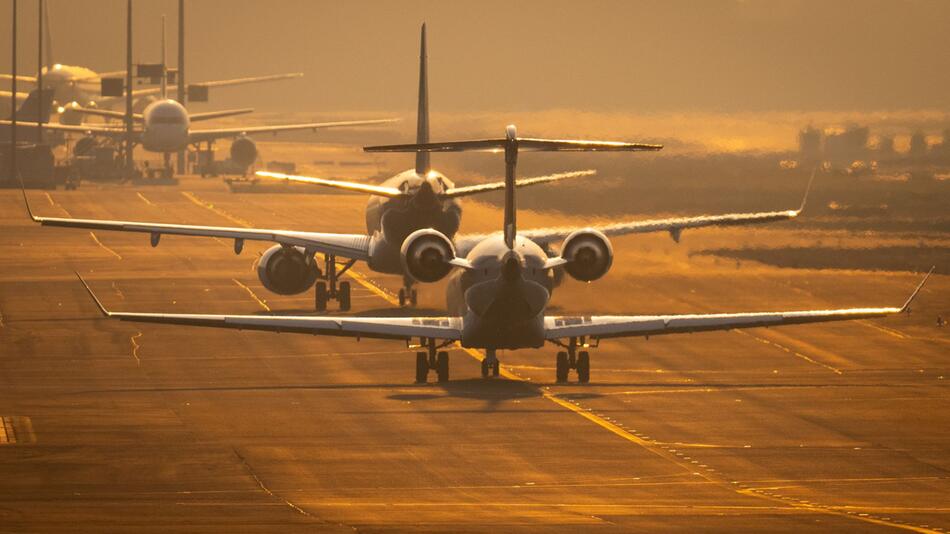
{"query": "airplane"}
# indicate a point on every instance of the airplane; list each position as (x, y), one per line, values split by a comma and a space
(30, 110)
(77, 86)
(165, 126)
(417, 198)
(505, 297)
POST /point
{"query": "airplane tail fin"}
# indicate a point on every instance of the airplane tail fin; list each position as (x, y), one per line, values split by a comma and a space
(511, 164)
(423, 164)
(164, 65)
(32, 110)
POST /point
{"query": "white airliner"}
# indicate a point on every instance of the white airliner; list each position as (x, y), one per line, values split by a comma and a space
(504, 295)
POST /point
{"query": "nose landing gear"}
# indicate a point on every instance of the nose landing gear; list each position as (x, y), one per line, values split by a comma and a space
(572, 359)
(490, 364)
(328, 288)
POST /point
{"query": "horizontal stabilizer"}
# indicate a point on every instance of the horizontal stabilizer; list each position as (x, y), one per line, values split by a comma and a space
(524, 143)
(498, 186)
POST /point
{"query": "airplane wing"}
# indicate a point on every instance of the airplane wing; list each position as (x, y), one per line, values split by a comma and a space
(214, 83)
(673, 225)
(195, 136)
(19, 78)
(208, 115)
(356, 187)
(20, 96)
(497, 186)
(610, 326)
(405, 328)
(88, 129)
(353, 246)
(392, 192)
(524, 143)
(107, 113)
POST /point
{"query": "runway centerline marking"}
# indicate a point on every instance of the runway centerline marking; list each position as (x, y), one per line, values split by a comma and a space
(107, 249)
(211, 207)
(253, 295)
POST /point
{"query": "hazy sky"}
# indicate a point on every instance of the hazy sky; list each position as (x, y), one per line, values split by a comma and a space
(628, 56)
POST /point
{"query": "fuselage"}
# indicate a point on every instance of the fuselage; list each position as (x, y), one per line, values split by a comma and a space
(165, 126)
(390, 220)
(503, 296)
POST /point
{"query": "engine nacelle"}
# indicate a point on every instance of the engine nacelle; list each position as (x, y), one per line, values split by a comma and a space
(287, 270)
(588, 253)
(243, 152)
(426, 255)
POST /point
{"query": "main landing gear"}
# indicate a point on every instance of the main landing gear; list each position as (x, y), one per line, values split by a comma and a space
(432, 359)
(328, 289)
(407, 295)
(490, 364)
(573, 359)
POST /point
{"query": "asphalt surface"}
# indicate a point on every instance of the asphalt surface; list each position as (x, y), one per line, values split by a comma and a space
(111, 426)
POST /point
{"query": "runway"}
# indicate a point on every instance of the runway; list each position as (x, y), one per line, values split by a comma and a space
(111, 426)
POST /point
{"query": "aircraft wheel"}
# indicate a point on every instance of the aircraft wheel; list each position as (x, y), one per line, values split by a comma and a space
(402, 297)
(344, 296)
(562, 367)
(442, 366)
(413, 298)
(422, 368)
(485, 368)
(320, 296)
(495, 368)
(583, 367)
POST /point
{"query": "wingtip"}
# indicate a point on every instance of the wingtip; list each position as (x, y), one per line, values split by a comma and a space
(26, 201)
(102, 309)
(801, 208)
(913, 295)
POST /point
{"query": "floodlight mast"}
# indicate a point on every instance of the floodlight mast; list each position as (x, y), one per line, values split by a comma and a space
(128, 91)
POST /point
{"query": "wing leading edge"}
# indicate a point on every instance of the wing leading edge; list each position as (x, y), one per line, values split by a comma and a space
(354, 246)
(611, 326)
(400, 328)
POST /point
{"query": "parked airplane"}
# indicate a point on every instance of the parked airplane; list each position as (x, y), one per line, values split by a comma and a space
(413, 199)
(165, 126)
(505, 296)
(30, 110)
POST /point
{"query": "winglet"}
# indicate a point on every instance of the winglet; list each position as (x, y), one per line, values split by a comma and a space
(26, 201)
(913, 295)
(807, 190)
(102, 309)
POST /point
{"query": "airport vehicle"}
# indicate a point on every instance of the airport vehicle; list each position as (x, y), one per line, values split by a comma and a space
(505, 296)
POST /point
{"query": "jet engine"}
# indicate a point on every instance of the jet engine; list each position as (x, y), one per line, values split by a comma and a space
(243, 151)
(287, 270)
(426, 255)
(588, 254)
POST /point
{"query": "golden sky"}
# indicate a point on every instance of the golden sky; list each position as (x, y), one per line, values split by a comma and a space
(599, 56)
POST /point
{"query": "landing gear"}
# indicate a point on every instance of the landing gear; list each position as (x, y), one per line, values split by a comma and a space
(490, 364)
(407, 295)
(572, 359)
(432, 359)
(328, 288)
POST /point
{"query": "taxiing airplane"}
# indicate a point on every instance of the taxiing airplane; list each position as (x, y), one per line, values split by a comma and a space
(413, 199)
(505, 297)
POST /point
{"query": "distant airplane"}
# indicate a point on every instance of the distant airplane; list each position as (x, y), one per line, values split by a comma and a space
(165, 126)
(505, 296)
(74, 85)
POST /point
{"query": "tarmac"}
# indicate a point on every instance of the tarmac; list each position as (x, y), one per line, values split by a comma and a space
(112, 426)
